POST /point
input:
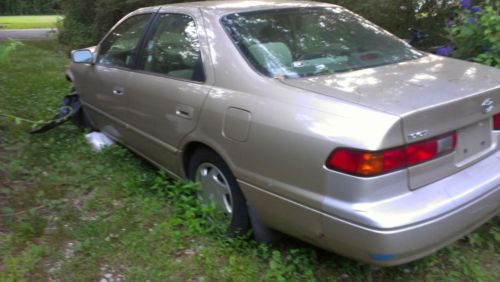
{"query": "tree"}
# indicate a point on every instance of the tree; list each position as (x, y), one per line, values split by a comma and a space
(475, 33)
(33, 7)
(87, 21)
(398, 16)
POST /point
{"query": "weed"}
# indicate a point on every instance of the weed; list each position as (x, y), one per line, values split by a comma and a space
(6, 50)
(19, 267)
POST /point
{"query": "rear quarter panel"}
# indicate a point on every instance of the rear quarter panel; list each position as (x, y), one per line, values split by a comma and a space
(287, 143)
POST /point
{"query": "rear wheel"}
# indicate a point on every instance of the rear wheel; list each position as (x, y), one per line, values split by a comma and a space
(219, 186)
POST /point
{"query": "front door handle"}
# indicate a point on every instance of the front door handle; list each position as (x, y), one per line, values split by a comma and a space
(118, 91)
(184, 111)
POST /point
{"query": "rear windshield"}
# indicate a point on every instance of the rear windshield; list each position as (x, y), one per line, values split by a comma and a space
(304, 42)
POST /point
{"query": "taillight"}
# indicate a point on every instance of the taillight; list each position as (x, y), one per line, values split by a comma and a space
(365, 163)
(420, 152)
(496, 122)
(369, 163)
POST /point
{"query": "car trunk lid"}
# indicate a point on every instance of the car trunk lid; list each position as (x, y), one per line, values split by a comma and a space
(433, 96)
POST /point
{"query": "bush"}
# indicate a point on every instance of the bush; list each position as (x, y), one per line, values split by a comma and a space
(475, 31)
(398, 16)
(476, 34)
(76, 28)
(87, 21)
(29, 7)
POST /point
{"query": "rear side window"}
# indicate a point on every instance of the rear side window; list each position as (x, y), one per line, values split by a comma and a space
(174, 49)
(311, 41)
(119, 48)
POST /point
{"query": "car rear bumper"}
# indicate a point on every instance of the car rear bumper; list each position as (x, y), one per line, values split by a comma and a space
(420, 222)
(401, 245)
(397, 230)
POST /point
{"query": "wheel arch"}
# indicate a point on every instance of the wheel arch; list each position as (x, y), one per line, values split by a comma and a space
(189, 150)
(194, 144)
(69, 76)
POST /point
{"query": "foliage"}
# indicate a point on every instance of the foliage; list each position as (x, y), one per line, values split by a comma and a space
(476, 34)
(77, 28)
(29, 7)
(68, 213)
(6, 50)
(398, 16)
(87, 20)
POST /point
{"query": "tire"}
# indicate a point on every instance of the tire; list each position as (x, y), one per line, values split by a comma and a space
(80, 118)
(218, 184)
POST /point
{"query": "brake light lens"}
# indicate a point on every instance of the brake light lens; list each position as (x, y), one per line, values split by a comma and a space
(364, 163)
(369, 163)
(496, 122)
(430, 149)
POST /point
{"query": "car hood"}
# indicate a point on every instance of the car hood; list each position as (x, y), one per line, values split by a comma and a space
(406, 87)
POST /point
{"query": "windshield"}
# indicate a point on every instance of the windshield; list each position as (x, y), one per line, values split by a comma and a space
(303, 42)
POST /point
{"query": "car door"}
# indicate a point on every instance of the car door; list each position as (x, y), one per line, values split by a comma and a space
(166, 94)
(105, 96)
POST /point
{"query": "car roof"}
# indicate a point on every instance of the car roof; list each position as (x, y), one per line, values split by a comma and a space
(227, 6)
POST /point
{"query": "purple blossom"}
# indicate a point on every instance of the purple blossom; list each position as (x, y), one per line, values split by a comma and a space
(445, 51)
(465, 4)
(475, 9)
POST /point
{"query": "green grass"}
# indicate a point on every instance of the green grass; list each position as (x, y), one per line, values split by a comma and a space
(26, 22)
(70, 214)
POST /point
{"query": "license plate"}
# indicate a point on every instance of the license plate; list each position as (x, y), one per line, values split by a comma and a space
(473, 141)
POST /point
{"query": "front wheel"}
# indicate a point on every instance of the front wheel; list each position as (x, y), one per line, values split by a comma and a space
(79, 117)
(219, 186)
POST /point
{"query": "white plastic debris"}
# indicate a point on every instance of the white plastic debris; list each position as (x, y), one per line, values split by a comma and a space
(98, 141)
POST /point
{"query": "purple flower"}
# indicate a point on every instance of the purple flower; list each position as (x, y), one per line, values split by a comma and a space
(475, 9)
(465, 4)
(444, 51)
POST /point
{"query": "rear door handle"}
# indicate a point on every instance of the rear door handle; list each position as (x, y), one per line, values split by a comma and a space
(184, 111)
(118, 91)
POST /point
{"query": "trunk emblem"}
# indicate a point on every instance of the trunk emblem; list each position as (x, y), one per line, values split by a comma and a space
(487, 105)
(419, 134)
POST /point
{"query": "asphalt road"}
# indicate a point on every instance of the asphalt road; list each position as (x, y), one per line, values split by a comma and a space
(27, 34)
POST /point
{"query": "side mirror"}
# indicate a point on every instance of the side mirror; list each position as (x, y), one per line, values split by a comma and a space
(83, 56)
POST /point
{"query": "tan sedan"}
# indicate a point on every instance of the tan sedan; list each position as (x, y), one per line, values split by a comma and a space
(305, 118)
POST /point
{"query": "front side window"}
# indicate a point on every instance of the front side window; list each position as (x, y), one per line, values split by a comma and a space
(174, 49)
(119, 48)
(304, 42)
